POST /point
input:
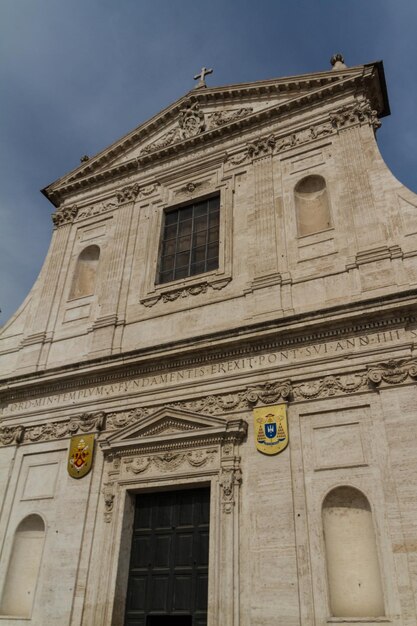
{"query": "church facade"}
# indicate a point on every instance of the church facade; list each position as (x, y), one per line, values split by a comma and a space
(208, 399)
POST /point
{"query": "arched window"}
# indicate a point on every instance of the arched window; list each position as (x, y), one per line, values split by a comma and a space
(352, 560)
(85, 272)
(312, 205)
(22, 573)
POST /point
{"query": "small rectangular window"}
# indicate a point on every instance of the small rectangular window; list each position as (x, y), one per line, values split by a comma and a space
(190, 240)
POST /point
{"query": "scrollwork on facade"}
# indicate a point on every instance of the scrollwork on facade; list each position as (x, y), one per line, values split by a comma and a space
(165, 140)
(218, 118)
(168, 461)
(392, 372)
(148, 190)
(358, 114)
(269, 393)
(184, 292)
(191, 120)
(230, 478)
(11, 435)
(87, 422)
(329, 386)
(65, 216)
(125, 418)
(261, 147)
(109, 495)
(95, 209)
(127, 194)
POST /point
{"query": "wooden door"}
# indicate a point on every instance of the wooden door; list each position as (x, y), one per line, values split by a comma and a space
(168, 572)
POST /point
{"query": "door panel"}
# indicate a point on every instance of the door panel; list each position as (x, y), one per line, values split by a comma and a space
(168, 573)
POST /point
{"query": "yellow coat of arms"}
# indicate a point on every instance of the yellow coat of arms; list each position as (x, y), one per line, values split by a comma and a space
(271, 428)
(80, 455)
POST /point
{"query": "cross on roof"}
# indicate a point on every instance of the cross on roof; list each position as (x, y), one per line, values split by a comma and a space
(201, 76)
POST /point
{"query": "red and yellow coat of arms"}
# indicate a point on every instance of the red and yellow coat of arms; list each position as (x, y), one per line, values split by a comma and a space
(80, 455)
(271, 428)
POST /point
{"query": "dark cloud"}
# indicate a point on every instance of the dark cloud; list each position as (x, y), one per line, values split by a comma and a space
(76, 76)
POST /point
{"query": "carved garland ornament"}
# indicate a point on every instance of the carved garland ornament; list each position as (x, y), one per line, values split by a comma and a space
(168, 461)
(391, 373)
(87, 422)
(64, 216)
(184, 292)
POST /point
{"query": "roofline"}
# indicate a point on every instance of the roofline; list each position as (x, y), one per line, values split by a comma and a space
(202, 94)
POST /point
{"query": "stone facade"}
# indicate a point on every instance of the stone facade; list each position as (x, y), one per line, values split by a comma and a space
(312, 304)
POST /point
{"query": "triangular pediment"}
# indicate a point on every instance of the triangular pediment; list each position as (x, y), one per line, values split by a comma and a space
(206, 113)
(171, 425)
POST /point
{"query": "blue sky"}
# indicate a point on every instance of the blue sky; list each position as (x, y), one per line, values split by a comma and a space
(75, 75)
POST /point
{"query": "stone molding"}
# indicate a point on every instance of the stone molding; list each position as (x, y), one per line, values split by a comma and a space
(393, 372)
(87, 422)
(91, 172)
(361, 113)
(171, 295)
(127, 194)
(192, 121)
(64, 216)
(168, 461)
(11, 394)
(198, 446)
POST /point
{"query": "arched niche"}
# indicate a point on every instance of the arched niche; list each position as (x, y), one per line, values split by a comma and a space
(312, 205)
(84, 278)
(23, 569)
(354, 577)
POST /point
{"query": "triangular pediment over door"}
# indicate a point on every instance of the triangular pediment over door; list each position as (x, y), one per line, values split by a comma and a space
(172, 428)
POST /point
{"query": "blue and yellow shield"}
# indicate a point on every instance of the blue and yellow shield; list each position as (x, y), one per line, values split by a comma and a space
(271, 428)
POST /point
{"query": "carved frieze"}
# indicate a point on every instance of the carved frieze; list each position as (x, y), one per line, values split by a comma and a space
(127, 194)
(184, 292)
(218, 118)
(87, 422)
(96, 209)
(125, 418)
(65, 216)
(358, 114)
(11, 435)
(167, 461)
(392, 372)
(261, 147)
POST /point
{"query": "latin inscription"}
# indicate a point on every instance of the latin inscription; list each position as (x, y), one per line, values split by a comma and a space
(213, 370)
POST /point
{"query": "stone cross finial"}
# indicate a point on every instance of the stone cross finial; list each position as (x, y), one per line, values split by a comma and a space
(201, 76)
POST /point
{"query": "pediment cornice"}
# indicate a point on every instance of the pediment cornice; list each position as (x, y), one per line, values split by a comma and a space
(300, 92)
(172, 428)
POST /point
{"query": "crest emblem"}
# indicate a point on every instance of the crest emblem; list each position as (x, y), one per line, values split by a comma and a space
(271, 428)
(80, 457)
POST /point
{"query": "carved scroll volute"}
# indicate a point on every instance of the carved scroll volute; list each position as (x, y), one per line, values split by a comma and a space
(230, 477)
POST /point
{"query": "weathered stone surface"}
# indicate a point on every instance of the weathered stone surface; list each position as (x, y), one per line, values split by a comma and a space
(313, 304)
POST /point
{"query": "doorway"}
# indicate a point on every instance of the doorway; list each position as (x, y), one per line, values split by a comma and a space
(168, 572)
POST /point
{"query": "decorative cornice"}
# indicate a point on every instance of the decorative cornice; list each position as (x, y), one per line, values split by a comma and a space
(87, 422)
(90, 173)
(23, 388)
(65, 216)
(183, 292)
(361, 113)
(393, 372)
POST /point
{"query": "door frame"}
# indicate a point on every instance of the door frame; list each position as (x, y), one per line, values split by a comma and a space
(203, 452)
